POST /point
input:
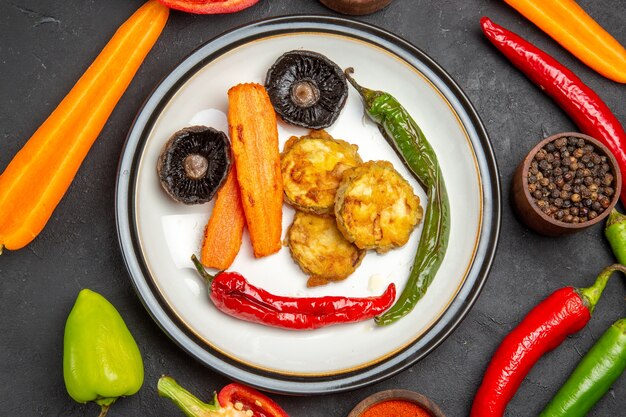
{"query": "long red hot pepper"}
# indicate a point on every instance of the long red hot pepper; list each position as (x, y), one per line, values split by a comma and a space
(564, 312)
(581, 103)
(234, 295)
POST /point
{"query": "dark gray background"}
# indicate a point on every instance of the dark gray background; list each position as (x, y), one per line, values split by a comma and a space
(45, 46)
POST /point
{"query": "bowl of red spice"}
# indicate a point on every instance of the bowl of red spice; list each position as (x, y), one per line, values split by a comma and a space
(396, 403)
(567, 183)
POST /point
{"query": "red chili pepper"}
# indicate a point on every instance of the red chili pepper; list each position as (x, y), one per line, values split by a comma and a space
(580, 102)
(564, 312)
(234, 295)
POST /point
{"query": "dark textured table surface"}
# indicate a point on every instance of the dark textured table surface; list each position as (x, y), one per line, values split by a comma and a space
(45, 46)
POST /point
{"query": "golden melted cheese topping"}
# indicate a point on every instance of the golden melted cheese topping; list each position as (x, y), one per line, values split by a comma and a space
(376, 208)
(312, 167)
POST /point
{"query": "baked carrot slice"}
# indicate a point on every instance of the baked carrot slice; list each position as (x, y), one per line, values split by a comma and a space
(36, 179)
(254, 141)
(223, 233)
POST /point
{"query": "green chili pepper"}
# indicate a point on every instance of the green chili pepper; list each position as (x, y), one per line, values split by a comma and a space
(594, 375)
(408, 140)
(615, 232)
(101, 360)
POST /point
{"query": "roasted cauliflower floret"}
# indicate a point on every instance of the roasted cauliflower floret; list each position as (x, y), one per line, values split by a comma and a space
(312, 167)
(375, 207)
(320, 249)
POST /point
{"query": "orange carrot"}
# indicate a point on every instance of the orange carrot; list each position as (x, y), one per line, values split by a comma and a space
(222, 236)
(36, 179)
(254, 141)
(568, 24)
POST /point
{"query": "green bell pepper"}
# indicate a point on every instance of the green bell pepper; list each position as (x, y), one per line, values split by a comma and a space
(101, 360)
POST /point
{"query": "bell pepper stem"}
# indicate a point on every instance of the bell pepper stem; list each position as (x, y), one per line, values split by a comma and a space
(203, 273)
(167, 387)
(592, 294)
(104, 410)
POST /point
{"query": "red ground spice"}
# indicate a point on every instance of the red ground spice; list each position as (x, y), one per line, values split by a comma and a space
(396, 408)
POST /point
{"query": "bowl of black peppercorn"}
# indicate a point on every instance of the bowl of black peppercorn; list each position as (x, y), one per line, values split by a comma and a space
(566, 183)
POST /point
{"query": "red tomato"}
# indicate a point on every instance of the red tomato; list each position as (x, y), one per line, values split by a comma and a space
(237, 395)
(208, 6)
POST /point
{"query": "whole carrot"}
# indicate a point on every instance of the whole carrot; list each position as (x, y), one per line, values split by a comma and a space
(254, 141)
(34, 182)
(224, 231)
(568, 24)
(580, 102)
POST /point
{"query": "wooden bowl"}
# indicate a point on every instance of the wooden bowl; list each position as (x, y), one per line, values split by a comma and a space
(537, 220)
(397, 394)
(355, 7)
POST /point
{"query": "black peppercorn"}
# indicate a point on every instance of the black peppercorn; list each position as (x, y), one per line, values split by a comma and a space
(570, 181)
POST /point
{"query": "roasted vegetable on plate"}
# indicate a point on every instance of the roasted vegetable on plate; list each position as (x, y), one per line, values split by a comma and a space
(194, 164)
(307, 89)
(406, 137)
(312, 168)
(254, 139)
(319, 248)
(375, 207)
(223, 233)
(232, 294)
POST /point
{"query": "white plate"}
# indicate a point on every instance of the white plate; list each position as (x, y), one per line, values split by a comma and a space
(158, 235)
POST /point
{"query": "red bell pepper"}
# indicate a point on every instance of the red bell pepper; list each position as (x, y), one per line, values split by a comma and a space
(208, 6)
(234, 400)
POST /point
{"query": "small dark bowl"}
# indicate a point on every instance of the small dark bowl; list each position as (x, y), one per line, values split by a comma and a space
(397, 394)
(537, 220)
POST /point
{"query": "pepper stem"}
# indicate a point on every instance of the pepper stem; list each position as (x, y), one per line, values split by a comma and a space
(104, 410)
(167, 387)
(203, 273)
(621, 325)
(592, 294)
(614, 217)
(366, 94)
(348, 72)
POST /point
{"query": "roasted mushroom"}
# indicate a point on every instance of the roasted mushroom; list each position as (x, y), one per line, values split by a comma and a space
(194, 163)
(307, 89)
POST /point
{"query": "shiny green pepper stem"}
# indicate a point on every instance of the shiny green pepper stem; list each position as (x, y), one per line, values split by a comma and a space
(167, 387)
(615, 232)
(594, 375)
(591, 295)
(408, 140)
